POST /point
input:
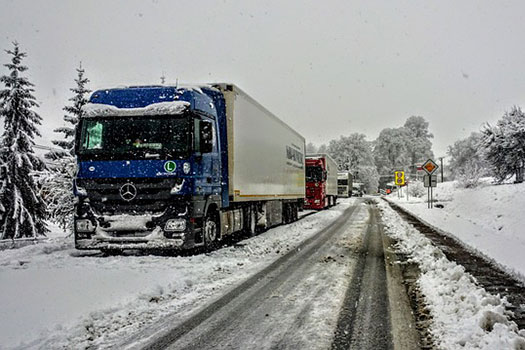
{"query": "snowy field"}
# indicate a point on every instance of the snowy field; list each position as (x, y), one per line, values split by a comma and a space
(464, 316)
(56, 297)
(487, 219)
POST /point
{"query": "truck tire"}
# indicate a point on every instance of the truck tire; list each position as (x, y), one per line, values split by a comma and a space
(287, 213)
(210, 231)
(294, 212)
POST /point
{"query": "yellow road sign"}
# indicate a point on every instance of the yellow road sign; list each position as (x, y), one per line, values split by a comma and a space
(399, 178)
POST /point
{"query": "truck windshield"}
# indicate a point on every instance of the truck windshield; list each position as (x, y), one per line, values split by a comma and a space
(135, 138)
(314, 174)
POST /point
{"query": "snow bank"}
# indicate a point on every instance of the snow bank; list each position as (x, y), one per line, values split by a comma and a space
(162, 108)
(464, 316)
(487, 219)
(56, 297)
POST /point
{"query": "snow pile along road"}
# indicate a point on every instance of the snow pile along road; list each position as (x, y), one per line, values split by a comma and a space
(464, 316)
(488, 219)
(56, 297)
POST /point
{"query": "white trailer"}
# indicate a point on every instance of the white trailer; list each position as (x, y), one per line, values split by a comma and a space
(265, 155)
(266, 170)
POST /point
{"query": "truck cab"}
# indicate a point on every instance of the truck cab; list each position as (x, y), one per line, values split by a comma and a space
(321, 182)
(148, 165)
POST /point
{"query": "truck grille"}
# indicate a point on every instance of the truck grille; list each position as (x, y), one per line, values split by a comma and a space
(152, 195)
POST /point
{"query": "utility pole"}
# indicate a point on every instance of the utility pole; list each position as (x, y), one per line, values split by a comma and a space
(441, 165)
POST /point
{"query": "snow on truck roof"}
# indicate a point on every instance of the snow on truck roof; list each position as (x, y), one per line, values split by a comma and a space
(161, 108)
(150, 100)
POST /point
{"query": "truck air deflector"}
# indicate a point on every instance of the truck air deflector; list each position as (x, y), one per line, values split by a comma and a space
(141, 97)
(134, 97)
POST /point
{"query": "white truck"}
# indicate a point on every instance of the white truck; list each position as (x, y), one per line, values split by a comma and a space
(344, 184)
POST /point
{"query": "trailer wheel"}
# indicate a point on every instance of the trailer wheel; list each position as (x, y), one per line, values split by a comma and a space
(294, 212)
(287, 213)
(210, 232)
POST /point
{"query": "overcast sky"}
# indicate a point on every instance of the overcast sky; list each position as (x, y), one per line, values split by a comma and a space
(327, 68)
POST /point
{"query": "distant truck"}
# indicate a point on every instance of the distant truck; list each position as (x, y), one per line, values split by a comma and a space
(358, 189)
(344, 184)
(167, 167)
(321, 181)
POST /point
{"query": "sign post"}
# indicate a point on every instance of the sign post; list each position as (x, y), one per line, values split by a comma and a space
(430, 181)
(399, 180)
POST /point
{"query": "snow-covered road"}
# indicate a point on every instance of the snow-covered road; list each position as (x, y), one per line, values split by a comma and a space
(293, 304)
(73, 299)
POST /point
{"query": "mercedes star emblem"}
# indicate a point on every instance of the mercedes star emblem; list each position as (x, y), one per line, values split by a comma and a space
(128, 192)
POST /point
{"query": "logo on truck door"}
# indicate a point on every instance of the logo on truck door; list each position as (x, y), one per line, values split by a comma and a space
(294, 156)
(170, 166)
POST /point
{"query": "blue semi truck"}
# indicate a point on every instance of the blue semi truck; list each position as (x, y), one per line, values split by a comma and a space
(174, 167)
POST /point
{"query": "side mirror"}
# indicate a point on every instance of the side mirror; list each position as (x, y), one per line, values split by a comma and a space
(206, 136)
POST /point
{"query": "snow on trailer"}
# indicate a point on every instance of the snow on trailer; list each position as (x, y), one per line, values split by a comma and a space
(178, 167)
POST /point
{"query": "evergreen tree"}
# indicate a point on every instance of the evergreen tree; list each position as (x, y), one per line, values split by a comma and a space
(58, 182)
(22, 209)
(74, 112)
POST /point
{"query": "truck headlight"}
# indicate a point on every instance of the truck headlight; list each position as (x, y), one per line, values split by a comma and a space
(175, 225)
(85, 226)
(186, 167)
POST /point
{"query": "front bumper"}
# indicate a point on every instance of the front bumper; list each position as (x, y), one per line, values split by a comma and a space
(137, 231)
(313, 203)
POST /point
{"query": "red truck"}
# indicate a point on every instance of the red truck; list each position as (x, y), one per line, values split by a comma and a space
(321, 181)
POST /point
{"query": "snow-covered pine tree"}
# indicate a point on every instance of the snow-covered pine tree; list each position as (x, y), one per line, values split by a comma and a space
(58, 182)
(22, 209)
(73, 113)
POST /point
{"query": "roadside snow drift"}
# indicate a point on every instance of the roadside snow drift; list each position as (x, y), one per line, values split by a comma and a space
(488, 219)
(464, 316)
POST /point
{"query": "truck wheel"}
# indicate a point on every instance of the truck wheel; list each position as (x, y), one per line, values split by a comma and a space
(210, 232)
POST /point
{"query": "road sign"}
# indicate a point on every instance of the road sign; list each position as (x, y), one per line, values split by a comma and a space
(399, 178)
(430, 180)
(430, 166)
